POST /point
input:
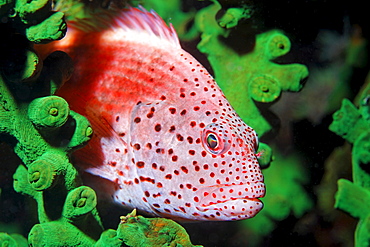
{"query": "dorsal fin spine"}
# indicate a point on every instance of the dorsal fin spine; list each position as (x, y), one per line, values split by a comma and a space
(130, 19)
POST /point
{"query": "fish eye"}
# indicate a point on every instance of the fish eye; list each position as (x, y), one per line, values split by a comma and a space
(212, 141)
(215, 139)
(256, 143)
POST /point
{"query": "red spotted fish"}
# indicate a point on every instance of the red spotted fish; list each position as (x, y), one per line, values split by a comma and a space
(164, 133)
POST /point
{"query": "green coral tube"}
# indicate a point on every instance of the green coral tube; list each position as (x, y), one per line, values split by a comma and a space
(58, 234)
(48, 112)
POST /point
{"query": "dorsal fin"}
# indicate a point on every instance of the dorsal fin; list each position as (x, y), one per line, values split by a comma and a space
(132, 20)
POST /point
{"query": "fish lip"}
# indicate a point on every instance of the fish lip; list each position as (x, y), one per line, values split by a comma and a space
(254, 199)
(233, 209)
(216, 187)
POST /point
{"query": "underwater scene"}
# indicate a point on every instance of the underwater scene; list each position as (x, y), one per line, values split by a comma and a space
(184, 123)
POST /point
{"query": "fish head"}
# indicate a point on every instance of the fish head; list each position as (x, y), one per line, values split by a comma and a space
(197, 160)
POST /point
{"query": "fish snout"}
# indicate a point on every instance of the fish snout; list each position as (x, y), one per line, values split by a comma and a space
(233, 209)
(239, 209)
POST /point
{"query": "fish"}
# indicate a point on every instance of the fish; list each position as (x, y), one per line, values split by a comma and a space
(164, 133)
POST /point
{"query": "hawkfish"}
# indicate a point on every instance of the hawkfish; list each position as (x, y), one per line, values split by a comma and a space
(164, 133)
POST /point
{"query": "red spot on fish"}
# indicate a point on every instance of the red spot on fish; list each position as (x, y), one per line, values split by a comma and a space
(140, 164)
(137, 146)
(184, 169)
(147, 179)
(172, 129)
(157, 127)
(172, 110)
(190, 139)
(179, 137)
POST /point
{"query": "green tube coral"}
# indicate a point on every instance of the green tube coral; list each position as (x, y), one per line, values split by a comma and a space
(48, 112)
(12, 240)
(251, 78)
(353, 197)
(138, 231)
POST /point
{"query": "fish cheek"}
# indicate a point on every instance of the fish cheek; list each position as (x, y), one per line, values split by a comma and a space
(151, 141)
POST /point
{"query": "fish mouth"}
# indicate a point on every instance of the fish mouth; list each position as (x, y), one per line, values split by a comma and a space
(223, 192)
(233, 209)
(253, 199)
(231, 201)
